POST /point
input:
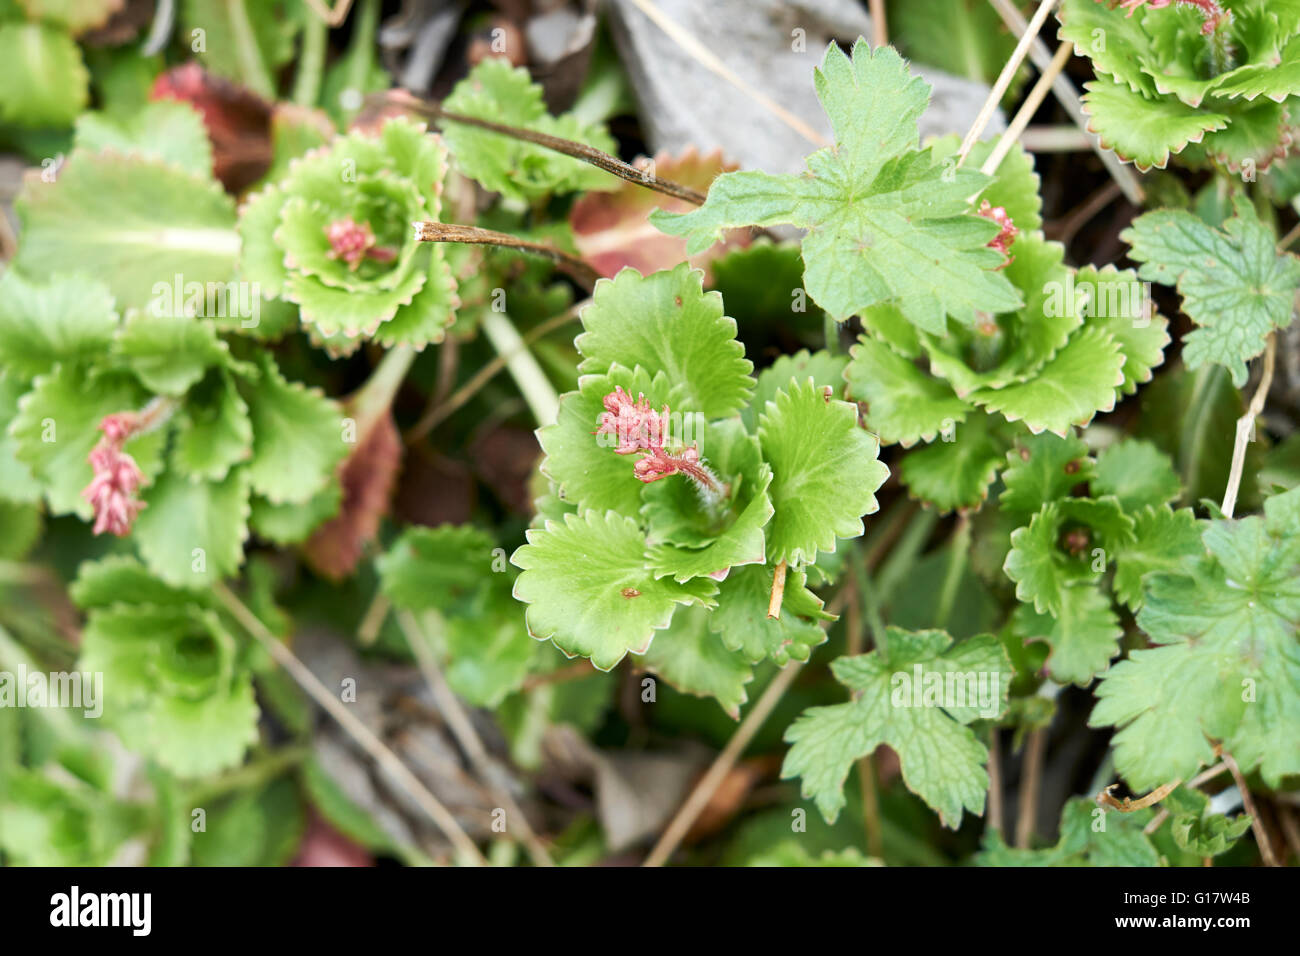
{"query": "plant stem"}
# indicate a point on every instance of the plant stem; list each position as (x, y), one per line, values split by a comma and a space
(1248, 803)
(251, 65)
(1004, 79)
(250, 775)
(438, 413)
(579, 269)
(778, 591)
(958, 555)
(311, 62)
(995, 781)
(1246, 427)
(533, 384)
(879, 25)
(1030, 783)
(1027, 109)
(568, 147)
(397, 771)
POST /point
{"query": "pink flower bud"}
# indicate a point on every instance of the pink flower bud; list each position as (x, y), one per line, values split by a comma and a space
(353, 242)
(117, 477)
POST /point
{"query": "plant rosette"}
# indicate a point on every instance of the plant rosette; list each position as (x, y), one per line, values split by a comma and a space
(1205, 79)
(334, 237)
(662, 496)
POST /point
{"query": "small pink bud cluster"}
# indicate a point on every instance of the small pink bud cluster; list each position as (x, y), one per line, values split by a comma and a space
(117, 477)
(353, 242)
(1002, 241)
(1214, 14)
(640, 428)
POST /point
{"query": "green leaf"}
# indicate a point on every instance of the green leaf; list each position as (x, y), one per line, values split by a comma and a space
(731, 535)
(20, 529)
(825, 472)
(886, 222)
(297, 437)
(1083, 637)
(122, 579)
(1118, 50)
(741, 620)
(178, 694)
(1137, 473)
(1234, 284)
(1116, 304)
(1090, 836)
(1039, 561)
(213, 432)
(1043, 468)
(69, 319)
(16, 481)
(58, 424)
(1198, 831)
(192, 533)
(666, 322)
(904, 404)
(136, 223)
(900, 705)
(169, 353)
(244, 41)
(589, 592)
(168, 130)
(826, 371)
(77, 15)
(441, 568)
(1145, 130)
(491, 654)
(958, 473)
(46, 82)
(293, 523)
(1079, 381)
(584, 467)
(1228, 668)
(500, 93)
(688, 655)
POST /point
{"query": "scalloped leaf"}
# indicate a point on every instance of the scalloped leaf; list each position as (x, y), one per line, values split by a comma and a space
(192, 533)
(666, 322)
(942, 761)
(1083, 637)
(904, 404)
(137, 223)
(46, 82)
(693, 659)
(1137, 473)
(437, 569)
(886, 222)
(168, 130)
(1163, 540)
(298, 437)
(58, 424)
(214, 432)
(1145, 131)
(498, 92)
(741, 620)
(1234, 284)
(825, 472)
(1043, 468)
(956, 474)
(826, 371)
(1116, 304)
(68, 319)
(169, 353)
(1075, 384)
(589, 592)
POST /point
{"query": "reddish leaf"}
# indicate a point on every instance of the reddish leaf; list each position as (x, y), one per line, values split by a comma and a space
(238, 121)
(612, 229)
(368, 477)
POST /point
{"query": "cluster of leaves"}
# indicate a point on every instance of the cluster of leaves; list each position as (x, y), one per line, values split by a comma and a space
(614, 556)
(1171, 82)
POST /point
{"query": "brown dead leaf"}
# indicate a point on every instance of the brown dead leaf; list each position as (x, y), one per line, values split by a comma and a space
(613, 230)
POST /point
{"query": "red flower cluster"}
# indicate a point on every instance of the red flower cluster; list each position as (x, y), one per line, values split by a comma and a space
(640, 428)
(117, 478)
(352, 242)
(1002, 241)
(1214, 14)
